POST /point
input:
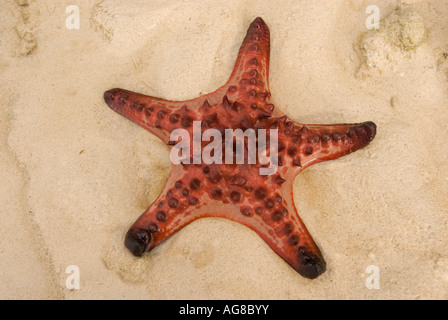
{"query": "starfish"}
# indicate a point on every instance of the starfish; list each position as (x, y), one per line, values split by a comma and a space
(237, 191)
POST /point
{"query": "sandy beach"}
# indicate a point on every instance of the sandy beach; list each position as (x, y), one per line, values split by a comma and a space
(75, 175)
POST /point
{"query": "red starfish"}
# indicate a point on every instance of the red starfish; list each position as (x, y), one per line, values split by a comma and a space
(237, 191)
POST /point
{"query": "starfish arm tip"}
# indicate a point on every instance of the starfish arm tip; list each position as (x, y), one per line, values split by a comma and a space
(372, 127)
(109, 96)
(138, 241)
(310, 265)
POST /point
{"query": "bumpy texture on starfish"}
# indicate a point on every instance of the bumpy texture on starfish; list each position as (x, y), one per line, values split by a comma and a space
(237, 191)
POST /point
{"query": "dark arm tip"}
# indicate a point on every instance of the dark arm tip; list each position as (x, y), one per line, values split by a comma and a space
(310, 265)
(138, 241)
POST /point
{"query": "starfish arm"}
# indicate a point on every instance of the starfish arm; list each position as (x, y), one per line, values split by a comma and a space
(290, 239)
(177, 205)
(273, 216)
(158, 116)
(250, 74)
(335, 141)
(305, 145)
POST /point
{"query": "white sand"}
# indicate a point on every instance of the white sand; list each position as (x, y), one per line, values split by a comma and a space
(75, 175)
